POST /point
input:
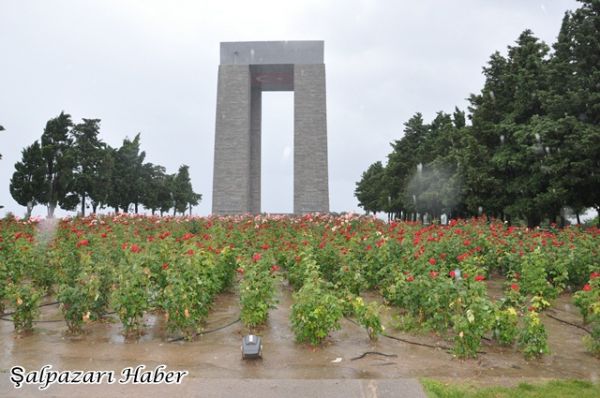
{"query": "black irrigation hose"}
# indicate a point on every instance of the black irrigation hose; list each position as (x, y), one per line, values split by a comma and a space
(448, 349)
(41, 321)
(208, 331)
(400, 339)
(569, 323)
(421, 344)
(62, 320)
(48, 304)
(50, 321)
(39, 306)
(374, 353)
(412, 342)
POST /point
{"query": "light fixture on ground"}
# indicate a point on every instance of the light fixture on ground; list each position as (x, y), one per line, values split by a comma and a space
(251, 347)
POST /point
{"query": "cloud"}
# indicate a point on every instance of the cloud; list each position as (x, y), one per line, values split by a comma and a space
(286, 154)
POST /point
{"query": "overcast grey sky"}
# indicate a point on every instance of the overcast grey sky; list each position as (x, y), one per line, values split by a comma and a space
(151, 67)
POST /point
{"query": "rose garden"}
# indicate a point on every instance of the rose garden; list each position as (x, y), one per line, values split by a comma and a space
(434, 278)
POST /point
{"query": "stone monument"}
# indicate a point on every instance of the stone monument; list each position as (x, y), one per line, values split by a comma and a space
(246, 70)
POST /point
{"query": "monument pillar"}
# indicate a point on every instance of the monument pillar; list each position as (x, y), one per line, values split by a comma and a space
(247, 69)
(311, 188)
(255, 152)
(231, 178)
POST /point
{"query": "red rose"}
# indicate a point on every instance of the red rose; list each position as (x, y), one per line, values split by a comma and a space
(83, 242)
(479, 278)
(452, 274)
(462, 257)
(410, 278)
(165, 266)
(190, 252)
(433, 274)
(256, 257)
(240, 271)
(135, 248)
(595, 275)
(275, 268)
(587, 287)
(104, 235)
(265, 247)
(514, 287)
(432, 261)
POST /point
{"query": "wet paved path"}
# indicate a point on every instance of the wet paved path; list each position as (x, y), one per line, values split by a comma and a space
(209, 388)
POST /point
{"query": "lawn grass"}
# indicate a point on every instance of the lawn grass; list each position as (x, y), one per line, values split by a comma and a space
(556, 388)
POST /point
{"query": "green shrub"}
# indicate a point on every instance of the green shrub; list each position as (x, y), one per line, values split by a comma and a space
(26, 300)
(257, 292)
(368, 316)
(315, 312)
(533, 338)
(506, 326)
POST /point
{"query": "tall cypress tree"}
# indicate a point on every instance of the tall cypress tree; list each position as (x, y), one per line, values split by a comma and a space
(127, 178)
(90, 153)
(154, 177)
(60, 162)
(102, 185)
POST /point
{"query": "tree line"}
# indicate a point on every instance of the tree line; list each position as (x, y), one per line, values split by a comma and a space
(71, 166)
(1, 129)
(531, 149)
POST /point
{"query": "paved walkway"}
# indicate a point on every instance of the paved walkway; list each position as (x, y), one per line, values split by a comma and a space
(208, 388)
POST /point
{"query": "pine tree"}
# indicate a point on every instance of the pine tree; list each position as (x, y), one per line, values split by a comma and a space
(573, 105)
(503, 143)
(370, 189)
(402, 163)
(27, 185)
